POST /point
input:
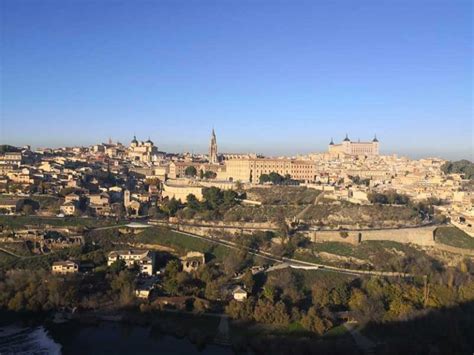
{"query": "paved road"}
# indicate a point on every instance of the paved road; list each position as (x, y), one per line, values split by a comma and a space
(10, 253)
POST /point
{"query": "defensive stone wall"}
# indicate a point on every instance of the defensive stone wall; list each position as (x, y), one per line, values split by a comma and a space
(423, 236)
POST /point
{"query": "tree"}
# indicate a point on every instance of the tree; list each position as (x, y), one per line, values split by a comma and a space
(248, 280)
(229, 198)
(172, 268)
(213, 196)
(267, 312)
(171, 207)
(117, 266)
(210, 175)
(240, 310)
(123, 285)
(190, 171)
(199, 306)
(315, 322)
(193, 202)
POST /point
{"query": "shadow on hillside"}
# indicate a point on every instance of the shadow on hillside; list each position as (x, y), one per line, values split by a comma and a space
(441, 331)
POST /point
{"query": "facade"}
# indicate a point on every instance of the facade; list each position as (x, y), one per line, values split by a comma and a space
(142, 258)
(142, 151)
(65, 267)
(213, 158)
(192, 261)
(239, 294)
(11, 158)
(354, 148)
(8, 205)
(68, 208)
(181, 189)
(250, 170)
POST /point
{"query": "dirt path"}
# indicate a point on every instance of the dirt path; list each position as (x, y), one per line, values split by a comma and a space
(303, 212)
(363, 343)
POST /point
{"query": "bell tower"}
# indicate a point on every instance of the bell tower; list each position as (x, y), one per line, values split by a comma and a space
(213, 149)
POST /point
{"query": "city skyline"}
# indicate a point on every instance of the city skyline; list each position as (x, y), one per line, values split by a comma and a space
(270, 77)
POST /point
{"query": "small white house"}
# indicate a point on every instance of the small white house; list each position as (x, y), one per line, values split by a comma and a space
(239, 294)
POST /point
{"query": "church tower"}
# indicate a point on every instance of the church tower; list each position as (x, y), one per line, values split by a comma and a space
(213, 149)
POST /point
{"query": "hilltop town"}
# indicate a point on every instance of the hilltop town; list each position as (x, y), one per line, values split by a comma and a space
(303, 241)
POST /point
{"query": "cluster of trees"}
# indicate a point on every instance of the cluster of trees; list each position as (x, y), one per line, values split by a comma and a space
(286, 298)
(464, 167)
(276, 179)
(283, 300)
(388, 198)
(214, 204)
(359, 181)
(191, 171)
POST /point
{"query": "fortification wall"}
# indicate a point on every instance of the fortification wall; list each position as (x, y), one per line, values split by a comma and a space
(421, 236)
(455, 250)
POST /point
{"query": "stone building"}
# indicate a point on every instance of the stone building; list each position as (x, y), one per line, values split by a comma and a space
(354, 148)
(192, 261)
(65, 267)
(213, 158)
(142, 151)
(144, 259)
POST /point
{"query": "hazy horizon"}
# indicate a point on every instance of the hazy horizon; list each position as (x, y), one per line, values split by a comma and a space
(275, 78)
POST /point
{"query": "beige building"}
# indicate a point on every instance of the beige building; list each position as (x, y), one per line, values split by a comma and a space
(142, 258)
(250, 170)
(192, 261)
(68, 208)
(180, 189)
(354, 148)
(239, 294)
(65, 267)
(142, 151)
(11, 158)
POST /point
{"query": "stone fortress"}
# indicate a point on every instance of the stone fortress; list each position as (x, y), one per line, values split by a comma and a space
(355, 148)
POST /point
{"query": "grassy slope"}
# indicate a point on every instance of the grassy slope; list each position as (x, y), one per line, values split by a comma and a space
(377, 253)
(283, 195)
(180, 242)
(455, 237)
(21, 221)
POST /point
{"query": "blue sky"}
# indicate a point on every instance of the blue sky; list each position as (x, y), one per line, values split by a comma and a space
(274, 77)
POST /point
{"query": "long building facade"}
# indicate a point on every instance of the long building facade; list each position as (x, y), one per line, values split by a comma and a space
(355, 148)
(250, 170)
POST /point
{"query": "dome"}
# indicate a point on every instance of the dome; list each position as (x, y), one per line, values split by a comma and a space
(347, 138)
(134, 140)
(375, 140)
(331, 142)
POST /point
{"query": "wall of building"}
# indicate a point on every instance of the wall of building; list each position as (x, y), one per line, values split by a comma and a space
(423, 236)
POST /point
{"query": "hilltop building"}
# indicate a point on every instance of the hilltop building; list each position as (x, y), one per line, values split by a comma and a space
(355, 148)
(142, 151)
(144, 259)
(213, 158)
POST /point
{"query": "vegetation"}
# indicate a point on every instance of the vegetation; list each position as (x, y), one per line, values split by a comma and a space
(283, 195)
(454, 236)
(181, 242)
(190, 171)
(276, 179)
(463, 167)
(388, 198)
(18, 222)
(214, 204)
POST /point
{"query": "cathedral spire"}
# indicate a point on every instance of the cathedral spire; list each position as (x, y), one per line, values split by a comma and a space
(213, 159)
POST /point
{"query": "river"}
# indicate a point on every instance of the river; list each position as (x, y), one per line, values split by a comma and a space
(103, 338)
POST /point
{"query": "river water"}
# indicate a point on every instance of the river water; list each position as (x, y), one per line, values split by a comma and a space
(103, 338)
